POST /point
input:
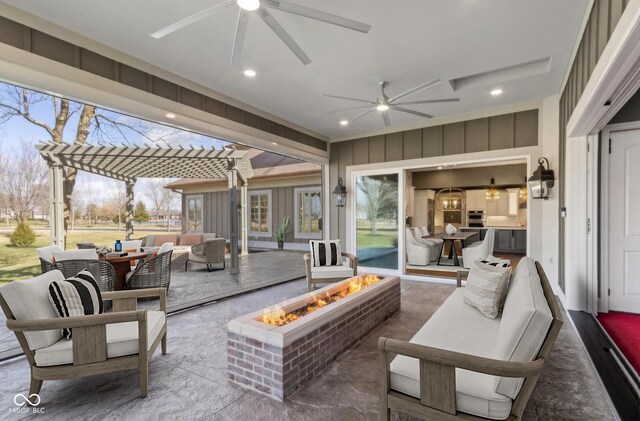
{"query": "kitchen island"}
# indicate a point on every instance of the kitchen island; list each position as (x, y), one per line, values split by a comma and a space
(509, 240)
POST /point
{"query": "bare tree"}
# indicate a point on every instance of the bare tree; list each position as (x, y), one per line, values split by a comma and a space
(23, 177)
(16, 102)
(161, 198)
(381, 198)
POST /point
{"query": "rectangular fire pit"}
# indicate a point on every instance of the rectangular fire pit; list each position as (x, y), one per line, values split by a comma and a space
(277, 360)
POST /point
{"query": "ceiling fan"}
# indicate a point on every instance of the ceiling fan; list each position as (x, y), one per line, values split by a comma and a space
(383, 103)
(260, 8)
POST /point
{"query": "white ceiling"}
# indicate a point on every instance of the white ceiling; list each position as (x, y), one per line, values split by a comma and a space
(411, 42)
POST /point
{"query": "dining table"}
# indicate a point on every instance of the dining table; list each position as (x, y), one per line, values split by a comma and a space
(452, 238)
(122, 266)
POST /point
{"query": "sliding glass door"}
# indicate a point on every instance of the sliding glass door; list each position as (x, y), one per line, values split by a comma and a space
(377, 220)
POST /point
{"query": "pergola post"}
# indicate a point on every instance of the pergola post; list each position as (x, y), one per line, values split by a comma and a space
(56, 205)
(233, 215)
(244, 218)
(129, 210)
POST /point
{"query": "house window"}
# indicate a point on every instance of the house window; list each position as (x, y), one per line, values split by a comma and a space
(308, 207)
(194, 213)
(260, 213)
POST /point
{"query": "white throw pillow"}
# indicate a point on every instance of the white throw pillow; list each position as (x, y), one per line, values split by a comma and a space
(325, 253)
(486, 288)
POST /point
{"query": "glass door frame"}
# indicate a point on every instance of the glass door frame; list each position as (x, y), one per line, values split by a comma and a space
(351, 225)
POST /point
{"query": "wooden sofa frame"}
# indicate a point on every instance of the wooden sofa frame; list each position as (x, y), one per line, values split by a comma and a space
(311, 282)
(90, 341)
(437, 372)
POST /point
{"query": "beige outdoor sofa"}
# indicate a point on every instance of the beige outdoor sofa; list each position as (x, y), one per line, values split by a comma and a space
(463, 365)
(181, 242)
(123, 339)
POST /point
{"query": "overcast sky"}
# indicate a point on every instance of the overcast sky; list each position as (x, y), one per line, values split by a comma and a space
(17, 128)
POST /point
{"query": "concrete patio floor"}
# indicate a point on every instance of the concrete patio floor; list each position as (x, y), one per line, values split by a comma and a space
(190, 381)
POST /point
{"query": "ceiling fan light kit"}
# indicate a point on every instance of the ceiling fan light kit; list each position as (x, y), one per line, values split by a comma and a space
(259, 7)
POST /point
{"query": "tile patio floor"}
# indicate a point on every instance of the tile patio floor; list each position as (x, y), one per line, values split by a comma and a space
(189, 382)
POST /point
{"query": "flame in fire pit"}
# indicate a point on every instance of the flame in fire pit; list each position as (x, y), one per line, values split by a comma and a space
(277, 317)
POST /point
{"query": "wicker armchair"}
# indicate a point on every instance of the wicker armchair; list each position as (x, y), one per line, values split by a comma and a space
(46, 266)
(210, 253)
(103, 272)
(152, 273)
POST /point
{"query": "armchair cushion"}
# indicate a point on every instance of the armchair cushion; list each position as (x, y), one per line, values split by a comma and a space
(76, 296)
(486, 288)
(122, 339)
(336, 271)
(84, 254)
(200, 258)
(325, 253)
(28, 299)
(46, 253)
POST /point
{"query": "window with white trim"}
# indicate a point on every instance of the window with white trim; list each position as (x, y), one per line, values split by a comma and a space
(260, 213)
(308, 208)
(194, 213)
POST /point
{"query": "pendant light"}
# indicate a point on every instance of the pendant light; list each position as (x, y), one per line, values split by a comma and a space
(493, 193)
(451, 198)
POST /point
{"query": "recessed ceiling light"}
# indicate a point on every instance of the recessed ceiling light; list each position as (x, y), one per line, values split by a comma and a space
(249, 4)
(382, 107)
(250, 73)
(170, 115)
(496, 92)
(344, 122)
(440, 168)
(273, 143)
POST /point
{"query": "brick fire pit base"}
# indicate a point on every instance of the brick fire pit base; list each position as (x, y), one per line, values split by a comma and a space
(285, 358)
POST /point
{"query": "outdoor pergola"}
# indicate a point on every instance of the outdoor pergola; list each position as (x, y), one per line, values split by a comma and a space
(127, 164)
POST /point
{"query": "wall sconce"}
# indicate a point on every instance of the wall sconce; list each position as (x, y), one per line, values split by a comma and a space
(340, 193)
(542, 180)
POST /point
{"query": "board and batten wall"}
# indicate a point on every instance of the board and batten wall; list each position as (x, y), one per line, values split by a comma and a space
(505, 131)
(603, 19)
(215, 207)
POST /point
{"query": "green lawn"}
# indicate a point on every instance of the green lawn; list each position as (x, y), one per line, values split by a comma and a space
(20, 263)
(364, 238)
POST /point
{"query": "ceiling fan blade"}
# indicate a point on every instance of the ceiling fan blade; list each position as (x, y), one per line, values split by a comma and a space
(350, 99)
(241, 30)
(428, 101)
(415, 90)
(283, 35)
(189, 20)
(361, 115)
(317, 15)
(406, 110)
(385, 117)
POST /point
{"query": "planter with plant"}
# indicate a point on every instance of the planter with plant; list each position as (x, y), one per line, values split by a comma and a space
(281, 231)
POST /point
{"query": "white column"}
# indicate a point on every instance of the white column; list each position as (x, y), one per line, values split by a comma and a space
(244, 216)
(129, 210)
(56, 205)
(233, 218)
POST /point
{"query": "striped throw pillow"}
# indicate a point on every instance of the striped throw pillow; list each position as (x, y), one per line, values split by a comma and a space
(486, 288)
(75, 296)
(325, 253)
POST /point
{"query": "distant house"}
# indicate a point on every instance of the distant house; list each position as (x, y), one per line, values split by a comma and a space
(281, 187)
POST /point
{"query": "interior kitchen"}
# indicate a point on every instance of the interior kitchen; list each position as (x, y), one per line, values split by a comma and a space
(451, 209)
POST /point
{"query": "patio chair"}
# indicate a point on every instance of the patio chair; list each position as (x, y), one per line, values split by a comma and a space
(210, 253)
(154, 272)
(418, 253)
(102, 343)
(346, 268)
(434, 244)
(103, 272)
(479, 249)
(45, 254)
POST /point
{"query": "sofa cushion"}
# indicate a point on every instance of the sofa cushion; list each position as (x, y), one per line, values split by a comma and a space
(325, 253)
(46, 253)
(328, 272)
(165, 247)
(28, 299)
(84, 254)
(190, 239)
(122, 339)
(457, 327)
(75, 296)
(526, 318)
(486, 288)
(165, 238)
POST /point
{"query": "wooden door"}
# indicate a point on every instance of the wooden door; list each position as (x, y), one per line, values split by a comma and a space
(624, 221)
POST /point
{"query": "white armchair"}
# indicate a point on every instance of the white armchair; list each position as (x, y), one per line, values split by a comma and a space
(418, 253)
(434, 244)
(479, 250)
